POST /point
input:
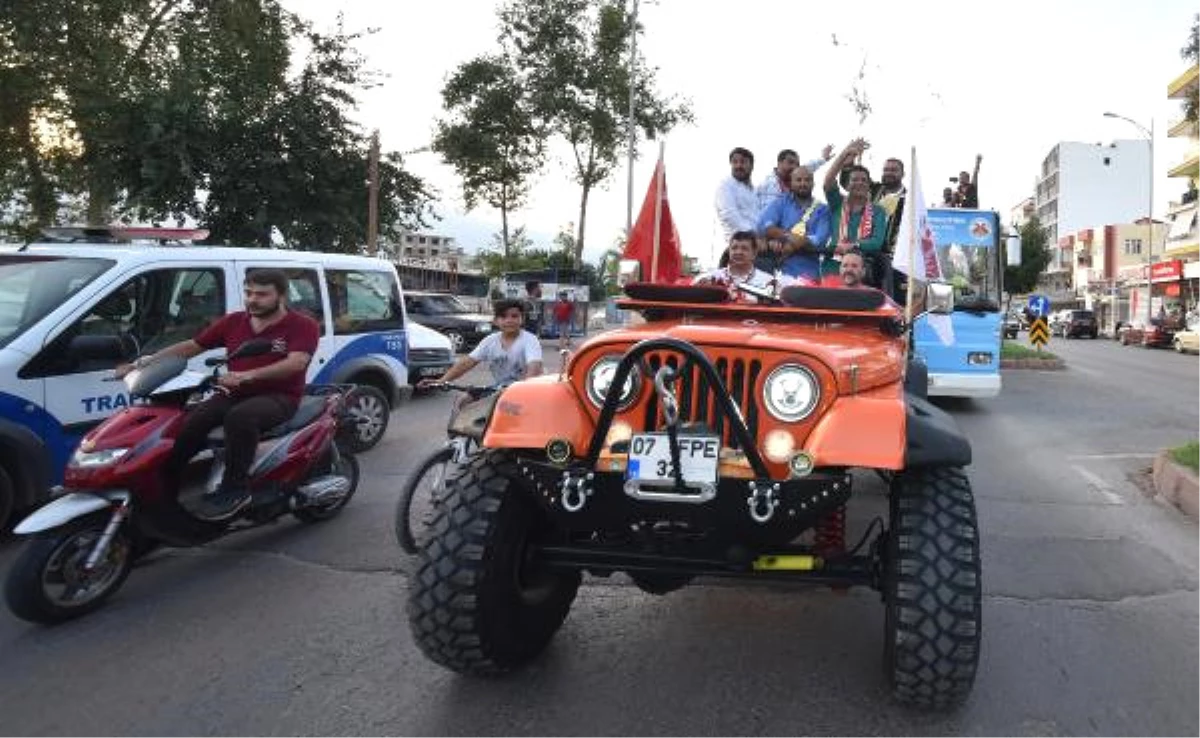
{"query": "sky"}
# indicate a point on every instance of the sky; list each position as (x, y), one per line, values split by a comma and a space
(1007, 80)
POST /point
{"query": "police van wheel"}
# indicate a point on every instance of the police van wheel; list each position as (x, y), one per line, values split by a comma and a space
(8, 500)
(365, 419)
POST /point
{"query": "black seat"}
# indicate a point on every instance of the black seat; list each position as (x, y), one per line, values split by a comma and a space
(833, 298)
(655, 292)
(309, 410)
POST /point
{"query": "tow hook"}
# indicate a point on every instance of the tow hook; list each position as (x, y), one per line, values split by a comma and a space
(576, 488)
(762, 501)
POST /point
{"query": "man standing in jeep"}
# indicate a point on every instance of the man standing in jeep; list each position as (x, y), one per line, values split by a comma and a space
(257, 393)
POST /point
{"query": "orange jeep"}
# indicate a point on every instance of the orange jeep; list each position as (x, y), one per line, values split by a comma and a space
(715, 438)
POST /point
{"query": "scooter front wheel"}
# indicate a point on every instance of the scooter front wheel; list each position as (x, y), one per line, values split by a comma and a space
(50, 583)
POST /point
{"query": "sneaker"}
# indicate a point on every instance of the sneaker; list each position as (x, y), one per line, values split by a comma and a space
(224, 503)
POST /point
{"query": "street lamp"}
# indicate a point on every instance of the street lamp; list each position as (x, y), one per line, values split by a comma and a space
(1149, 134)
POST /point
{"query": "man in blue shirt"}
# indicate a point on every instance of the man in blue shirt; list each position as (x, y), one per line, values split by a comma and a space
(801, 225)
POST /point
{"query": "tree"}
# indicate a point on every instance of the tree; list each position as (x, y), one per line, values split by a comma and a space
(1034, 258)
(490, 137)
(573, 55)
(1191, 53)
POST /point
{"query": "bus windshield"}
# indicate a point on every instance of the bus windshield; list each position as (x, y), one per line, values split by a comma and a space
(967, 247)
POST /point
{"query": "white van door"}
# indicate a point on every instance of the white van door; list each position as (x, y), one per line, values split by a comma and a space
(154, 306)
(306, 294)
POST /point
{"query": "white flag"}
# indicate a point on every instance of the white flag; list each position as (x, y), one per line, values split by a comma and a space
(916, 252)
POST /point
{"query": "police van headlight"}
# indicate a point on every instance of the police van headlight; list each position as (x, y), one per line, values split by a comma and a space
(791, 393)
(600, 378)
(92, 459)
(483, 327)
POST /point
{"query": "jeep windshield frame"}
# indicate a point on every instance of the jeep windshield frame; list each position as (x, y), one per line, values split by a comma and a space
(33, 285)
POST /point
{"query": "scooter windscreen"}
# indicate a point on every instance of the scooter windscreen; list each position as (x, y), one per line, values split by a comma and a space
(141, 382)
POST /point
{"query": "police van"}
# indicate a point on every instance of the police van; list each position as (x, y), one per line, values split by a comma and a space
(106, 281)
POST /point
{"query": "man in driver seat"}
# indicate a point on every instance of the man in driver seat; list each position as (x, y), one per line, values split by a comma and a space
(255, 394)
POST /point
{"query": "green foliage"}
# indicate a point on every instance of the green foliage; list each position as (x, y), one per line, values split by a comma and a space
(573, 57)
(1191, 53)
(1014, 350)
(490, 136)
(151, 101)
(1034, 258)
(1187, 455)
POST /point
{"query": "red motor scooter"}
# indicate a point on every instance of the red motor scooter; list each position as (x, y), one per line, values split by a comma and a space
(114, 505)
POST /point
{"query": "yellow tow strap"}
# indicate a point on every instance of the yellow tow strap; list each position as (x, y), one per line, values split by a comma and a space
(788, 563)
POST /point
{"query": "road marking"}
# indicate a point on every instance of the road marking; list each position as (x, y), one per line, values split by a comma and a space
(1099, 485)
(1112, 456)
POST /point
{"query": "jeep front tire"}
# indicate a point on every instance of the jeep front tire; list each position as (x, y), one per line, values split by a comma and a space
(932, 591)
(479, 603)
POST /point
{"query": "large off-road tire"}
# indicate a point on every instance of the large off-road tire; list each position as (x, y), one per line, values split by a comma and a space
(479, 603)
(426, 486)
(8, 501)
(932, 591)
(47, 583)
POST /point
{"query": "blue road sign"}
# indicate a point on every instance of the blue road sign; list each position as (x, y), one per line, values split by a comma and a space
(1039, 305)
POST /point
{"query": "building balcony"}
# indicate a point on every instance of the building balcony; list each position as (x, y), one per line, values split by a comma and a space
(1189, 167)
(1185, 85)
(1184, 129)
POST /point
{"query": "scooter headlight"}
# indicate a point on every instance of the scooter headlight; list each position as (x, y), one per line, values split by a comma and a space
(93, 459)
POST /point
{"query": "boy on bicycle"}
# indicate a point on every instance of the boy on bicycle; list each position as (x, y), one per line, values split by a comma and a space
(511, 354)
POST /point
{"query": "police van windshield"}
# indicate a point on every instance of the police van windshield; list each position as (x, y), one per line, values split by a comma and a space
(31, 286)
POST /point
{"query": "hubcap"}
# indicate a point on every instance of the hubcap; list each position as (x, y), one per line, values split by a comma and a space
(65, 579)
(368, 416)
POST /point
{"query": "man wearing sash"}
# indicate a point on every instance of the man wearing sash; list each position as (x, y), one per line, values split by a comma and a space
(855, 221)
(801, 225)
(889, 195)
(777, 185)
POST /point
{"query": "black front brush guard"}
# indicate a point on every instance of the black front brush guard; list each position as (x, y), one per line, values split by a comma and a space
(692, 356)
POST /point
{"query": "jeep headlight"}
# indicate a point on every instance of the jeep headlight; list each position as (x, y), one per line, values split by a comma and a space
(600, 378)
(90, 460)
(791, 393)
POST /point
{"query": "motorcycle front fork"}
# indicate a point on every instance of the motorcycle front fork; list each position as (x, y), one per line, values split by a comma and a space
(100, 550)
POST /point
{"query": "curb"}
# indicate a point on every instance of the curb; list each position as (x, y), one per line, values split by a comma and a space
(1176, 484)
(1043, 364)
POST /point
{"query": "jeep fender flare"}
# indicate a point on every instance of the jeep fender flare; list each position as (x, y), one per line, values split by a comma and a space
(932, 438)
(27, 460)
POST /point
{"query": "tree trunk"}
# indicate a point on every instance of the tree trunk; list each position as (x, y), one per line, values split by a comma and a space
(99, 204)
(583, 200)
(504, 230)
(42, 200)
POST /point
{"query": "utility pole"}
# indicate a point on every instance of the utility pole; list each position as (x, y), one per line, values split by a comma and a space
(373, 195)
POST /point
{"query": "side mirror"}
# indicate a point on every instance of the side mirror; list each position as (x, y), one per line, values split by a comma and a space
(253, 347)
(98, 348)
(628, 270)
(940, 298)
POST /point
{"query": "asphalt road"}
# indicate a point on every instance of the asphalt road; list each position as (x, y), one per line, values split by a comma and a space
(1090, 611)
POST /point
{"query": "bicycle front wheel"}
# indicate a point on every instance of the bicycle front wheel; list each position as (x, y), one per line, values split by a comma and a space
(421, 493)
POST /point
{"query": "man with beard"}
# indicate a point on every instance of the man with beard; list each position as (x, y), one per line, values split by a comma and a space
(777, 184)
(854, 220)
(800, 225)
(889, 194)
(968, 186)
(737, 205)
(255, 394)
(853, 268)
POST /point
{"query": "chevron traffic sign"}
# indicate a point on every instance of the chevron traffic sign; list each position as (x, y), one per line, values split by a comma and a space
(1039, 333)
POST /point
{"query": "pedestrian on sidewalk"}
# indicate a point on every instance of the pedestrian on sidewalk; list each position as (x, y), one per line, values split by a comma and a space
(564, 319)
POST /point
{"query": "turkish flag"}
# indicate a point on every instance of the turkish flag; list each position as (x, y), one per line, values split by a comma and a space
(641, 240)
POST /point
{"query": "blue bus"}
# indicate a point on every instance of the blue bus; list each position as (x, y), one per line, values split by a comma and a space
(962, 350)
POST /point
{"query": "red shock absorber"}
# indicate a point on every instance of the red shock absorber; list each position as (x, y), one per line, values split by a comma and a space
(830, 538)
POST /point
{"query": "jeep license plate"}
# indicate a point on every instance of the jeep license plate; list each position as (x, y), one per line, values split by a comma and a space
(650, 457)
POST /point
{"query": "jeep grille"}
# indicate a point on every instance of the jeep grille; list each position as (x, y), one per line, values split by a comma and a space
(697, 403)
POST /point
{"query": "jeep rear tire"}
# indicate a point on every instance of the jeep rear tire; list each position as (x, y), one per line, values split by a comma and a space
(479, 603)
(931, 588)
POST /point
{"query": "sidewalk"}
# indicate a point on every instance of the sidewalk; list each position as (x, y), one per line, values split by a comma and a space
(1176, 484)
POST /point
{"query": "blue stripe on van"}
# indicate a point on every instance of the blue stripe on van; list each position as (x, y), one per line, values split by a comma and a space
(56, 443)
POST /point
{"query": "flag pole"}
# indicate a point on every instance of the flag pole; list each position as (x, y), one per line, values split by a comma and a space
(658, 199)
(912, 240)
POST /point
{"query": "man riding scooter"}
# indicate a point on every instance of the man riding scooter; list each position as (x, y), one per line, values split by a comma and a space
(257, 393)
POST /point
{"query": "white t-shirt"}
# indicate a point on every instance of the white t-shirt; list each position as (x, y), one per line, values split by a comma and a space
(756, 278)
(508, 365)
(737, 207)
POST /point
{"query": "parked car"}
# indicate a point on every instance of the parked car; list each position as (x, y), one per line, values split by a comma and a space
(1188, 339)
(1078, 323)
(1012, 325)
(1158, 336)
(429, 353)
(448, 315)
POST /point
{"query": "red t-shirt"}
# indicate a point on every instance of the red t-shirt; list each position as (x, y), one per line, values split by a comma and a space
(563, 311)
(292, 332)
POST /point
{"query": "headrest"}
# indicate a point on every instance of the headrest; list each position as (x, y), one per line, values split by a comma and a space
(656, 292)
(833, 298)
